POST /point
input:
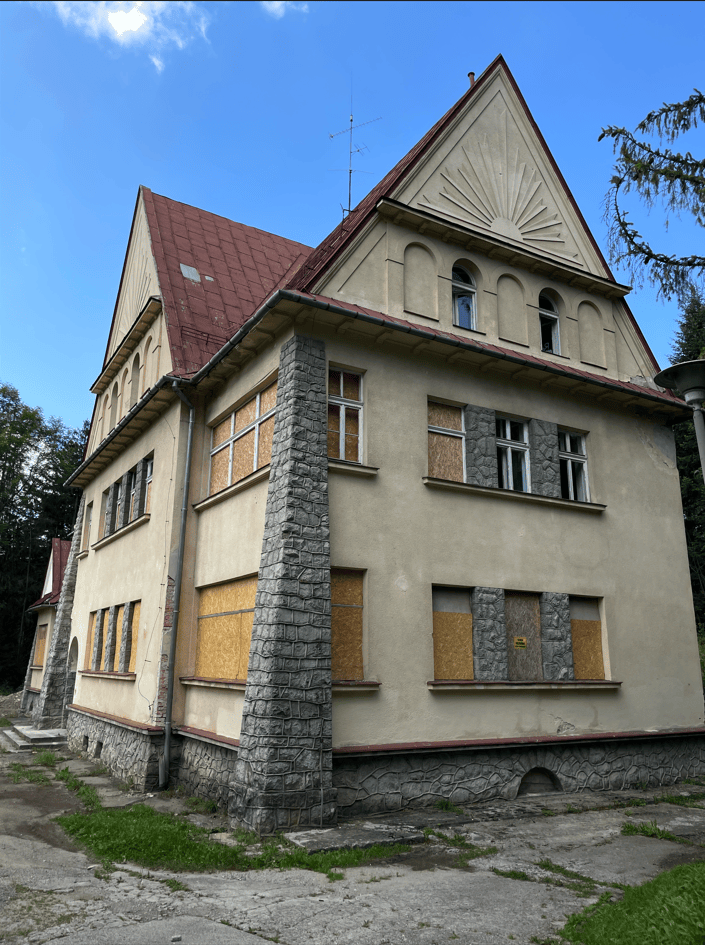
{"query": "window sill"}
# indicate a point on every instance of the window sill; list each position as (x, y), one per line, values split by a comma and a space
(356, 685)
(259, 475)
(470, 331)
(452, 486)
(443, 685)
(351, 469)
(213, 683)
(130, 527)
(125, 677)
(82, 554)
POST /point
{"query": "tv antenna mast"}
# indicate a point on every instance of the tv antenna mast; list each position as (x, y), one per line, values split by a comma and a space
(352, 150)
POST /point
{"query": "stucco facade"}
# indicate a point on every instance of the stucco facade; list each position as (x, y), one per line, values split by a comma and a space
(426, 468)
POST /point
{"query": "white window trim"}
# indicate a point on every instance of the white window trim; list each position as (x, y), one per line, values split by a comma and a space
(577, 458)
(517, 446)
(464, 288)
(341, 401)
(445, 431)
(552, 315)
(234, 436)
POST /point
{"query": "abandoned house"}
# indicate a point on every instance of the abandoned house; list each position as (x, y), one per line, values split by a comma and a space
(386, 521)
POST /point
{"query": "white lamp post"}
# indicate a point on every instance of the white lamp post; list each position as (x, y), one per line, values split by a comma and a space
(688, 379)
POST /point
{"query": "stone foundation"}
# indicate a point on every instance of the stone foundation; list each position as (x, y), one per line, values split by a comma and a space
(203, 769)
(385, 782)
(129, 754)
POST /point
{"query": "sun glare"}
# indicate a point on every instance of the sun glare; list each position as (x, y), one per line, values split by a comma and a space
(121, 22)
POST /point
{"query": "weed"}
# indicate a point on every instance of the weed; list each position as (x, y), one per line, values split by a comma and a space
(47, 758)
(548, 813)
(200, 805)
(175, 885)
(21, 773)
(5, 722)
(445, 804)
(424, 925)
(652, 829)
(689, 800)
(97, 771)
(376, 879)
(514, 874)
(572, 810)
(247, 838)
(84, 791)
(128, 785)
(453, 937)
(466, 851)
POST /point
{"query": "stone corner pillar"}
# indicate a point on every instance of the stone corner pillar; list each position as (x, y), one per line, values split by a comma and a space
(545, 462)
(283, 775)
(556, 636)
(50, 706)
(489, 635)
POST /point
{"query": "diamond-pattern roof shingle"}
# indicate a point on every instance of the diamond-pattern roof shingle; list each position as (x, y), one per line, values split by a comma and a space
(239, 267)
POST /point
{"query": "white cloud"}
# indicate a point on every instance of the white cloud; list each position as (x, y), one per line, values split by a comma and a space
(277, 8)
(158, 24)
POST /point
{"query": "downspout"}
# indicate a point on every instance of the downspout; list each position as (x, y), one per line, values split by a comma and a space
(166, 756)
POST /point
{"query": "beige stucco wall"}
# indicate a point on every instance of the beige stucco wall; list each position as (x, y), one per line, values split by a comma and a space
(409, 537)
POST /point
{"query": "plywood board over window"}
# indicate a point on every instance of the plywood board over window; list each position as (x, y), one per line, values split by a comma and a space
(445, 442)
(131, 653)
(586, 630)
(523, 622)
(225, 617)
(452, 633)
(89, 641)
(40, 645)
(346, 624)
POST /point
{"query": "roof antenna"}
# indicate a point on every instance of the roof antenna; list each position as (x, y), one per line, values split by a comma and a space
(352, 150)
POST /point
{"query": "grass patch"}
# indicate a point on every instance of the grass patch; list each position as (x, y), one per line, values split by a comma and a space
(19, 773)
(466, 851)
(5, 722)
(668, 910)
(141, 835)
(549, 813)
(690, 800)
(46, 758)
(199, 805)
(652, 829)
(84, 791)
(445, 804)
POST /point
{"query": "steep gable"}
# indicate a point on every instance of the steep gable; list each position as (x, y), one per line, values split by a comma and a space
(54, 573)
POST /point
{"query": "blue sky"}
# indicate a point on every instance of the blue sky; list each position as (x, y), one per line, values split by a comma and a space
(229, 106)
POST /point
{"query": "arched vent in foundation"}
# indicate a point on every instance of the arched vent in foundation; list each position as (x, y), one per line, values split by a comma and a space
(539, 781)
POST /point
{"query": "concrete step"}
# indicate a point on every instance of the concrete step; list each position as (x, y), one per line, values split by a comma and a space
(11, 741)
(32, 737)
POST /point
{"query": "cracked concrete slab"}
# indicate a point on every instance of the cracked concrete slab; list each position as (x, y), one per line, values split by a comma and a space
(358, 836)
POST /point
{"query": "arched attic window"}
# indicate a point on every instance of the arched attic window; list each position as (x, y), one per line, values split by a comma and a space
(123, 395)
(548, 320)
(113, 407)
(147, 365)
(135, 381)
(464, 307)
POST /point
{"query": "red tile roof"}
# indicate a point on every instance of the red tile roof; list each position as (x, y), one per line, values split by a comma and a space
(59, 556)
(239, 266)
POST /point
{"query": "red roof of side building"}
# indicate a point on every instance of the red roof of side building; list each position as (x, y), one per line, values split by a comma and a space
(59, 556)
(239, 267)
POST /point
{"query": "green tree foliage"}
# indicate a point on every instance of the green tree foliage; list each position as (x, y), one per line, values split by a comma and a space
(36, 458)
(689, 345)
(658, 174)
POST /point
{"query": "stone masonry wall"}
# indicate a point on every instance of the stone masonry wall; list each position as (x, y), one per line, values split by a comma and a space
(396, 782)
(204, 770)
(556, 637)
(480, 447)
(130, 755)
(283, 773)
(49, 707)
(543, 451)
(489, 636)
(159, 705)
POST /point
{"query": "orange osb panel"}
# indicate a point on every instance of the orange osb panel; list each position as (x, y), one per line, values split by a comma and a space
(229, 597)
(588, 662)
(246, 414)
(268, 399)
(351, 386)
(118, 638)
(134, 636)
(346, 587)
(352, 430)
(346, 643)
(452, 646)
(222, 431)
(89, 641)
(334, 430)
(148, 500)
(223, 649)
(243, 457)
(264, 450)
(445, 457)
(441, 415)
(41, 645)
(219, 470)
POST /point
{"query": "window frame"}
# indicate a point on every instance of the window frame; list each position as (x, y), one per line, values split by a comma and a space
(573, 459)
(509, 446)
(448, 431)
(548, 317)
(461, 288)
(236, 435)
(344, 402)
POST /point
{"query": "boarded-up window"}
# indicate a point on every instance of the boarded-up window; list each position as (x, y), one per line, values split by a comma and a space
(40, 645)
(346, 623)
(242, 442)
(89, 641)
(586, 630)
(112, 657)
(131, 644)
(344, 415)
(523, 623)
(446, 442)
(452, 633)
(225, 617)
(87, 518)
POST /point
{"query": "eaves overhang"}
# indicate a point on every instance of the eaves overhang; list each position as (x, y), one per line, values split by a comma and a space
(137, 330)
(496, 247)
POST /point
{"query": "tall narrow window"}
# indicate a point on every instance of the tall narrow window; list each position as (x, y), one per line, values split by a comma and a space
(87, 661)
(464, 308)
(573, 462)
(149, 471)
(135, 381)
(586, 631)
(40, 645)
(87, 519)
(346, 623)
(146, 374)
(446, 455)
(113, 407)
(512, 454)
(548, 320)
(131, 493)
(345, 415)
(225, 617)
(452, 633)
(242, 442)
(104, 526)
(131, 646)
(118, 504)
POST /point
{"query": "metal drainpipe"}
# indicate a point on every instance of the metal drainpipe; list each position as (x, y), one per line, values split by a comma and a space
(166, 757)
